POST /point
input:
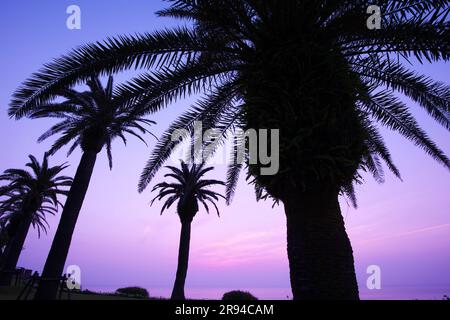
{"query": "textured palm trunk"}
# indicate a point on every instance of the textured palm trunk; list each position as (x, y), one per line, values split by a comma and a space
(57, 256)
(9, 233)
(13, 250)
(183, 260)
(319, 250)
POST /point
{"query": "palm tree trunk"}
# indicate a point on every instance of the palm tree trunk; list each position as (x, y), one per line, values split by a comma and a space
(13, 250)
(57, 256)
(9, 232)
(319, 250)
(183, 259)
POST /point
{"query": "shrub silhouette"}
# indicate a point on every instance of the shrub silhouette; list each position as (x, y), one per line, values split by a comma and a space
(238, 295)
(133, 291)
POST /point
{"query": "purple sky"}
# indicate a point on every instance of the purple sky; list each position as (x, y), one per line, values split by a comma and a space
(404, 227)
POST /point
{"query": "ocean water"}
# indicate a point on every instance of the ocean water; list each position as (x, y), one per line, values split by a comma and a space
(386, 293)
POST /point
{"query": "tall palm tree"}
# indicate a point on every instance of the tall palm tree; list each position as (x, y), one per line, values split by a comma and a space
(189, 189)
(314, 70)
(3, 238)
(91, 120)
(11, 213)
(26, 200)
(9, 209)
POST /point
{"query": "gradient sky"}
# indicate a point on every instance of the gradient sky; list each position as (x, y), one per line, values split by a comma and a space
(404, 227)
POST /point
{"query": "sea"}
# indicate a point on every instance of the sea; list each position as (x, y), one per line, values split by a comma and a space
(431, 292)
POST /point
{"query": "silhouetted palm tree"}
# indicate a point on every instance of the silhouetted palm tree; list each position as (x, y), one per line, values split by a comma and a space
(3, 236)
(9, 207)
(189, 189)
(8, 223)
(26, 200)
(91, 120)
(11, 214)
(314, 70)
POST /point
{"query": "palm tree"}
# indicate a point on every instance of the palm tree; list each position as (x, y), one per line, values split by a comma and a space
(11, 214)
(310, 68)
(3, 237)
(91, 120)
(189, 189)
(26, 200)
(8, 222)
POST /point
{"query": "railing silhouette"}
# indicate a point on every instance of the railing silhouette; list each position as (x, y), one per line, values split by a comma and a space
(36, 279)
